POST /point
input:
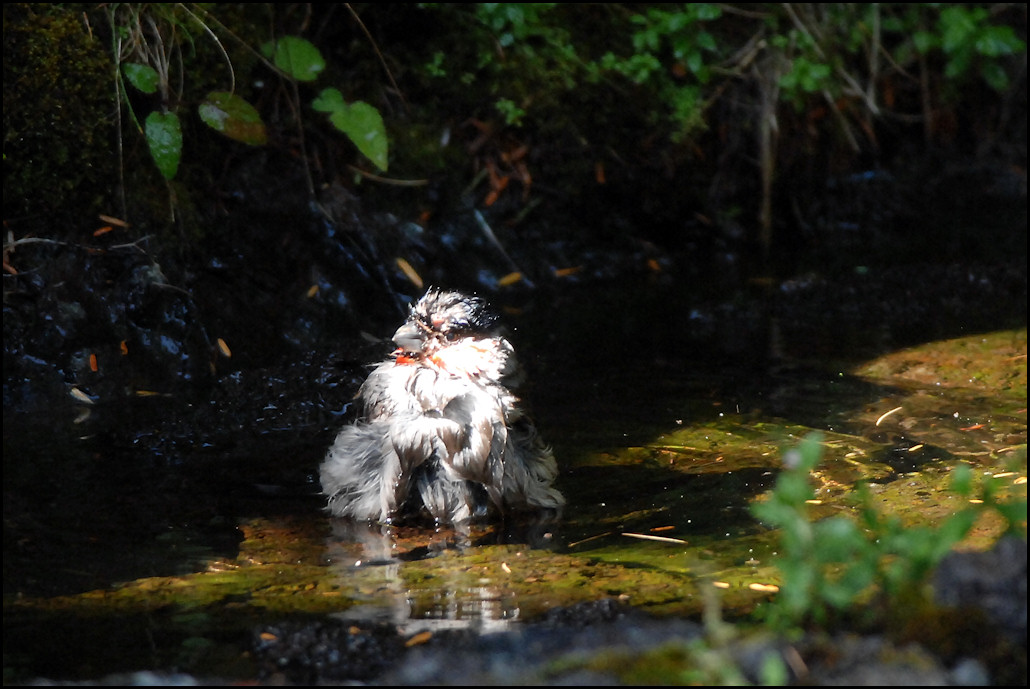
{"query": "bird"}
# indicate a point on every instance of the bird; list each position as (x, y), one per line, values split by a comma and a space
(441, 433)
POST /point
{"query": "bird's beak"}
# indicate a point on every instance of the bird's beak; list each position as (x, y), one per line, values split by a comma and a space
(408, 338)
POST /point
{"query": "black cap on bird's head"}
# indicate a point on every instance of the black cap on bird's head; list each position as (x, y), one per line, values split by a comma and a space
(448, 315)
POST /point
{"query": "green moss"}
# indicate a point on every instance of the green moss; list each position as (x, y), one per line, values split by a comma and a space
(58, 113)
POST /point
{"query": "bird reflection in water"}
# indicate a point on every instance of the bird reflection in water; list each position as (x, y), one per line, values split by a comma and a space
(441, 441)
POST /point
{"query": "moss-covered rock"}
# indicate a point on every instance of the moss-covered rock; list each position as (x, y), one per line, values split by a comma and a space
(58, 114)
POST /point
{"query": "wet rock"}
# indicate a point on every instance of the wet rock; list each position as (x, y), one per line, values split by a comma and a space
(991, 582)
(568, 647)
(584, 614)
(605, 643)
(871, 661)
(139, 679)
(326, 651)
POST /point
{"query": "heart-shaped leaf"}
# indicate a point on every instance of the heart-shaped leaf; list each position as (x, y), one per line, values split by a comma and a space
(360, 121)
(295, 56)
(143, 77)
(164, 136)
(234, 117)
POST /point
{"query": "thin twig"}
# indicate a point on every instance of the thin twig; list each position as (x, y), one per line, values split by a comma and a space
(214, 37)
(57, 242)
(388, 180)
(855, 87)
(389, 75)
(488, 231)
(118, 88)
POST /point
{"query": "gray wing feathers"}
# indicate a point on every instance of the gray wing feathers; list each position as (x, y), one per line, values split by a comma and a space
(463, 445)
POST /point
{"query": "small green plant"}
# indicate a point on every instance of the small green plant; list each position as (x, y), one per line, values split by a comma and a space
(830, 566)
(513, 114)
(148, 45)
(828, 73)
(971, 44)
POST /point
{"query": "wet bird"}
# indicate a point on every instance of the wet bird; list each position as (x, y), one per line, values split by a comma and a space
(441, 432)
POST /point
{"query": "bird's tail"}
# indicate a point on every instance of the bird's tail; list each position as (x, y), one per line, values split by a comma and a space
(361, 474)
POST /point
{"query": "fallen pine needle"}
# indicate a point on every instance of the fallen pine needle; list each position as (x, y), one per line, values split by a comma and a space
(409, 272)
(114, 221)
(649, 537)
(418, 639)
(886, 414)
(509, 279)
(590, 538)
(81, 396)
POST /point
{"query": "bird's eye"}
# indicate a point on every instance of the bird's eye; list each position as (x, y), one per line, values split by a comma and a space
(451, 335)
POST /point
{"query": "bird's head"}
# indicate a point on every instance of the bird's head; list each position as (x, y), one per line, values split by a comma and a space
(455, 332)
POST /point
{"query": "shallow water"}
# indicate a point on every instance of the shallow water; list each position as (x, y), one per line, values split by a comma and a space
(131, 547)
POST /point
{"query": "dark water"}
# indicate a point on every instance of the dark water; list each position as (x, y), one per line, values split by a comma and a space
(165, 532)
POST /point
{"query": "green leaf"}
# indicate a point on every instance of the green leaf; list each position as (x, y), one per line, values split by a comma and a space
(774, 512)
(297, 57)
(794, 488)
(995, 75)
(807, 75)
(1014, 514)
(234, 117)
(995, 41)
(364, 125)
(772, 671)
(164, 136)
(706, 41)
(837, 594)
(361, 122)
(925, 41)
(811, 451)
(143, 77)
(957, 26)
(962, 480)
(953, 530)
(708, 11)
(330, 100)
(959, 64)
(513, 114)
(838, 539)
(695, 61)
